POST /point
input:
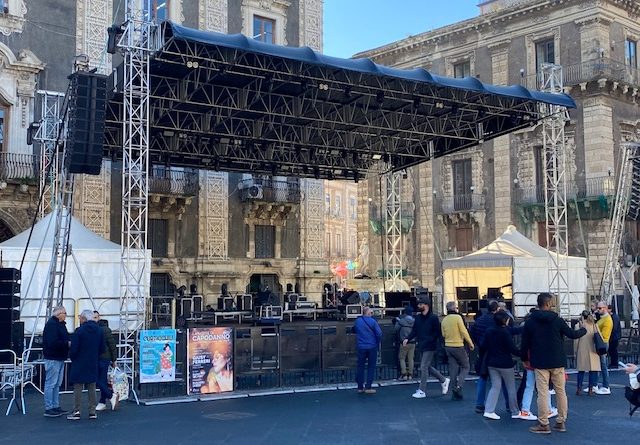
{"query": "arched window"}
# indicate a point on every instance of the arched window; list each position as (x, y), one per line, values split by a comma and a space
(5, 232)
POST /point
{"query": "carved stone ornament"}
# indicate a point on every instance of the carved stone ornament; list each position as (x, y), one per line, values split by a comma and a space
(14, 20)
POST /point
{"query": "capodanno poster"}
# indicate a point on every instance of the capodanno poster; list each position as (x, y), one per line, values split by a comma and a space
(210, 360)
(158, 356)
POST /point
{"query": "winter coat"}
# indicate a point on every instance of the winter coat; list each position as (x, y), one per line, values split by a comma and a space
(479, 328)
(616, 334)
(543, 340)
(426, 329)
(368, 332)
(110, 350)
(55, 340)
(404, 326)
(498, 346)
(87, 343)
(585, 350)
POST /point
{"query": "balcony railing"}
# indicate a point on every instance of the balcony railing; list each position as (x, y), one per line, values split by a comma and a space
(602, 68)
(460, 203)
(166, 181)
(269, 190)
(19, 166)
(584, 189)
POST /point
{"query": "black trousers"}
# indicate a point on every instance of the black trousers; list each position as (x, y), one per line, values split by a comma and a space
(613, 353)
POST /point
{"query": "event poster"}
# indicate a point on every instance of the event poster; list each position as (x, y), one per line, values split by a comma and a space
(158, 356)
(210, 360)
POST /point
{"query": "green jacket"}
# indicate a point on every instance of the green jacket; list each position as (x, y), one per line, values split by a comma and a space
(110, 351)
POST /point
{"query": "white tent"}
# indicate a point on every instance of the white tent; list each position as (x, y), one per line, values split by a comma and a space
(514, 259)
(92, 279)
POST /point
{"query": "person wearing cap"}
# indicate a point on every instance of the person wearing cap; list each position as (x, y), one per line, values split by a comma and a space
(403, 326)
(426, 329)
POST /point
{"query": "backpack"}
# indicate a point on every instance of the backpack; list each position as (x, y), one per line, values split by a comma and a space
(633, 396)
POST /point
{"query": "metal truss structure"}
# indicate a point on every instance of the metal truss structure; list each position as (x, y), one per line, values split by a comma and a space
(393, 268)
(627, 205)
(226, 108)
(137, 44)
(555, 189)
(47, 136)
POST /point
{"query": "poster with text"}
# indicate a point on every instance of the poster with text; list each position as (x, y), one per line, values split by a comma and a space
(158, 356)
(210, 360)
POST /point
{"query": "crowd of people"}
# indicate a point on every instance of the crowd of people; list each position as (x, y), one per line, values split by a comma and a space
(92, 349)
(541, 351)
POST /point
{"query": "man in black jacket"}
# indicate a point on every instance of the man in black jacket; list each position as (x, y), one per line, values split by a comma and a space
(485, 322)
(426, 329)
(543, 345)
(108, 357)
(55, 349)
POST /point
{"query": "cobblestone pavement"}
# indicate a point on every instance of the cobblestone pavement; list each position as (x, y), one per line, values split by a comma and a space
(391, 416)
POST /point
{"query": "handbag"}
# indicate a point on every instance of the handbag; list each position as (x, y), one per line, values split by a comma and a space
(601, 346)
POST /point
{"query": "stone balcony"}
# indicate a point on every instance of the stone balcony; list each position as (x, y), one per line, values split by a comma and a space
(166, 181)
(19, 167)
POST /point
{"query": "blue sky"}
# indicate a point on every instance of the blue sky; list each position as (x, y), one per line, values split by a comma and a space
(351, 26)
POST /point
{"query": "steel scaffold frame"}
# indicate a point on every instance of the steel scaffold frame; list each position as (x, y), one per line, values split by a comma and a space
(393, 268)
(47, 136)
(630, 152)
(555, 189)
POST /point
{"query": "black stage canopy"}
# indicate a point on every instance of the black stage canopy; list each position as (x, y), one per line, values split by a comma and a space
(227, 102)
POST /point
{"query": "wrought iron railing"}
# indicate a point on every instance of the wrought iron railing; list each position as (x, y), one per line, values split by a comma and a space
(460, 203)
(601, 68)
(19, 166)
(166, 181)
(582, 189)
(269, 190)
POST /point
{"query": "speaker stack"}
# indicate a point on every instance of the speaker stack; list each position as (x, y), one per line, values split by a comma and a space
(11, 328)
(87, 110)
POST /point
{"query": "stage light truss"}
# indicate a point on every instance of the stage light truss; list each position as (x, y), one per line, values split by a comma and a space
(223, 108)
(393, 223)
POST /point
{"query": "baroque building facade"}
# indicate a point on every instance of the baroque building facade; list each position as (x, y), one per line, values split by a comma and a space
(464, 200)
(206, 228)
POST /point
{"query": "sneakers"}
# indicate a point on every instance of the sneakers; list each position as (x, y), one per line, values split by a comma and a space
(52, 413)
(369, 391)
(419, 394)
(553, 412)
(516, 416)
(526, 415)
(61, 411)
(93, 416)
(552, 392)
(115, 398)
(445, 385)
(602, 391)
(593, 389)
(479, 409)
(492, 416)
(559, 427)
(101, 407)
(540, 429)
(457, 393)
(360, 391)
(74, 416)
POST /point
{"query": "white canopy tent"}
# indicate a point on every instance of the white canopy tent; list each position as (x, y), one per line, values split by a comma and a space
(514, 259)
(92, 279)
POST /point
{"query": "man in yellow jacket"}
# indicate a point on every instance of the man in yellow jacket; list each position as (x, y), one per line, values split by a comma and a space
(455, 336)
(605, 326)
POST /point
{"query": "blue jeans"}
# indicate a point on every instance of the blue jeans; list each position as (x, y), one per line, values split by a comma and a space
(527, 396)
(370, 356)
(604, 371)
(102, 384)
(54, 372)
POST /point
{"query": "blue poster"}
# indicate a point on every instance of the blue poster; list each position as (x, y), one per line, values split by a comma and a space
(158, 356)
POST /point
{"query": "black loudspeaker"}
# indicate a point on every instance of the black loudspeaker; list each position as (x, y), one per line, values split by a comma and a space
(10, 274)
(87, 109)
(617, 304)
(12, 336)
(9, 288)
(225, 289)
(289, 287)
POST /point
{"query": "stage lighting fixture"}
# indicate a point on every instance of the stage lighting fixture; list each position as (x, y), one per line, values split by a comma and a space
(376, 156)
(416, 102)
(316, 173)
(386, 158)
(356, 176)
(330, 175)
(439, 105)
(113, 35)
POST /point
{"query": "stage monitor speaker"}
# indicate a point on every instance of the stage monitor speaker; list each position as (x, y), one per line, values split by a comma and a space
(87, 110)
(244, 302)
(12, 336)
(10, 274)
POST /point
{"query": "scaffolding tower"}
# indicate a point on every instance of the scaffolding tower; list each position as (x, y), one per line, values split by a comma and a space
(393, 268)
(555, 188)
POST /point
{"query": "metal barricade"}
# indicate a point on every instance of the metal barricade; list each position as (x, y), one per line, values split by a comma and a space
(127, 362)
(10, 376)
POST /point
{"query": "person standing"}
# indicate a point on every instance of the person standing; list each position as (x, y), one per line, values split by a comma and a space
(455, 336)
(55, 349)
(616, 335)
(87, 344)
(368, 336)
(542, 348)
(406, 351)
(605, 326)
(498, 347)
(587, 359)
(478, 330)
(426, 330)
(108, 357)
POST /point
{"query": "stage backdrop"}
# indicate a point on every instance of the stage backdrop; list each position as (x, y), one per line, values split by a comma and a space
(158, 356)
(210, 360)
